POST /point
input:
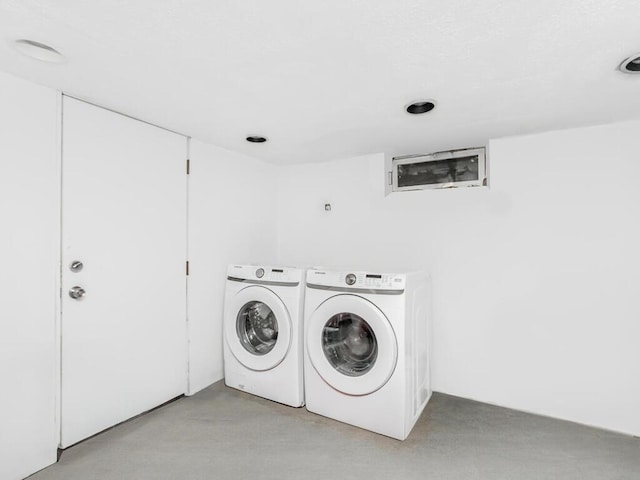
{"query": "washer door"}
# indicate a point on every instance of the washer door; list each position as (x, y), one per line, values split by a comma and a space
(259, 333)
(351, 344)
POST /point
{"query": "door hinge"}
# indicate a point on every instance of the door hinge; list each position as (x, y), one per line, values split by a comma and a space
(188, 166)
(390, 178)
(187, 268)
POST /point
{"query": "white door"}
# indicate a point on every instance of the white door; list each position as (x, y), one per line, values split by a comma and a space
(351, 344)
(124, 218)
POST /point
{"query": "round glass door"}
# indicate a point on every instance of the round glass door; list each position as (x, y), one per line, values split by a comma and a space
(349, 344)
(257, 328)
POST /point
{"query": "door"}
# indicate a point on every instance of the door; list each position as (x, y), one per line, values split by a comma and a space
(259, 334)
(351, 344)
(123, 269)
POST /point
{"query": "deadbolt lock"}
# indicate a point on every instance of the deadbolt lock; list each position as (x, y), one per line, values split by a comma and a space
(76, 266)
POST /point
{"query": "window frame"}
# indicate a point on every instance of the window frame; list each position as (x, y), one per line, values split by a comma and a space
(448, 155)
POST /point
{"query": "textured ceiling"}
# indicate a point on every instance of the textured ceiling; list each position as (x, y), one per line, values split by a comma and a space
(329, 79)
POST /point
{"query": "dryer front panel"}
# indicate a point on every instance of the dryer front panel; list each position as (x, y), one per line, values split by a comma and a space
(351, 344)
(259, 333)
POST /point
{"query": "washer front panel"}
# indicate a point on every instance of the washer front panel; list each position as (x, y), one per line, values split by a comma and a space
(351, 344)
(258, 328)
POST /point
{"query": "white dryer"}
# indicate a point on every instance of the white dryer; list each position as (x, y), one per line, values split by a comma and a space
(366, 348)
(263, 345)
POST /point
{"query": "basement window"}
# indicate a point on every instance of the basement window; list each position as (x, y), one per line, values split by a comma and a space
(452, 169)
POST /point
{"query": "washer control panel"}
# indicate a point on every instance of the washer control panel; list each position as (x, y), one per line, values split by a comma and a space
(265, 273)
(357, 280)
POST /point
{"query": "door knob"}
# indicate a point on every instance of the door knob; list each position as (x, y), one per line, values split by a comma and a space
(77, 293)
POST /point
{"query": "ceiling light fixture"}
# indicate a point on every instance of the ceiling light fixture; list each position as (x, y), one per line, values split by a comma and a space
(421, 106)
(256, 139)
(38, 51)
(631, 64)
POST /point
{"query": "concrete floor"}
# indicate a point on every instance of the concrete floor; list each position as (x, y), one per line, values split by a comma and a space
(226, 434)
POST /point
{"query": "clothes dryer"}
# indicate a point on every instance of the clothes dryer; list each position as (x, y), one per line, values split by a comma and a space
(366, 348)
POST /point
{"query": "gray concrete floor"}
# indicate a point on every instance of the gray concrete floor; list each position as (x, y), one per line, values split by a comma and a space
(221, 433)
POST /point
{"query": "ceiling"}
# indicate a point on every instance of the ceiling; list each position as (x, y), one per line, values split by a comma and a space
(329, 79)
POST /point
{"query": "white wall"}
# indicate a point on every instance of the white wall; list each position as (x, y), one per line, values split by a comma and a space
(29, 223)
(232, 219)
(536, 279)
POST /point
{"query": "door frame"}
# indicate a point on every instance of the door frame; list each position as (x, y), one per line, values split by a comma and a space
(59, 246)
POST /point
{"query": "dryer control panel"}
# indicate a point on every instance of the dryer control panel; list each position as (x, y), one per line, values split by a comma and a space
(264, 273)
(357, 280)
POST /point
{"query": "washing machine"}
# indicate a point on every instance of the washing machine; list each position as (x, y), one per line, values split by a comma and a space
(367, 348)
(263, 334)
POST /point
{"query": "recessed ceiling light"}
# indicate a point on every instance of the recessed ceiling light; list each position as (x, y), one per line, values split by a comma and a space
(421, 106)
(631, 64)
(256, 139)
(38, 50)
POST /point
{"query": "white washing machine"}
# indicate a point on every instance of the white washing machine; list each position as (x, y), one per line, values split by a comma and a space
(366, 348)
(263, 344)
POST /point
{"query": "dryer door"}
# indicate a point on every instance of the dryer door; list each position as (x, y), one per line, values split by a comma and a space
(351, 344)
(259, 334)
